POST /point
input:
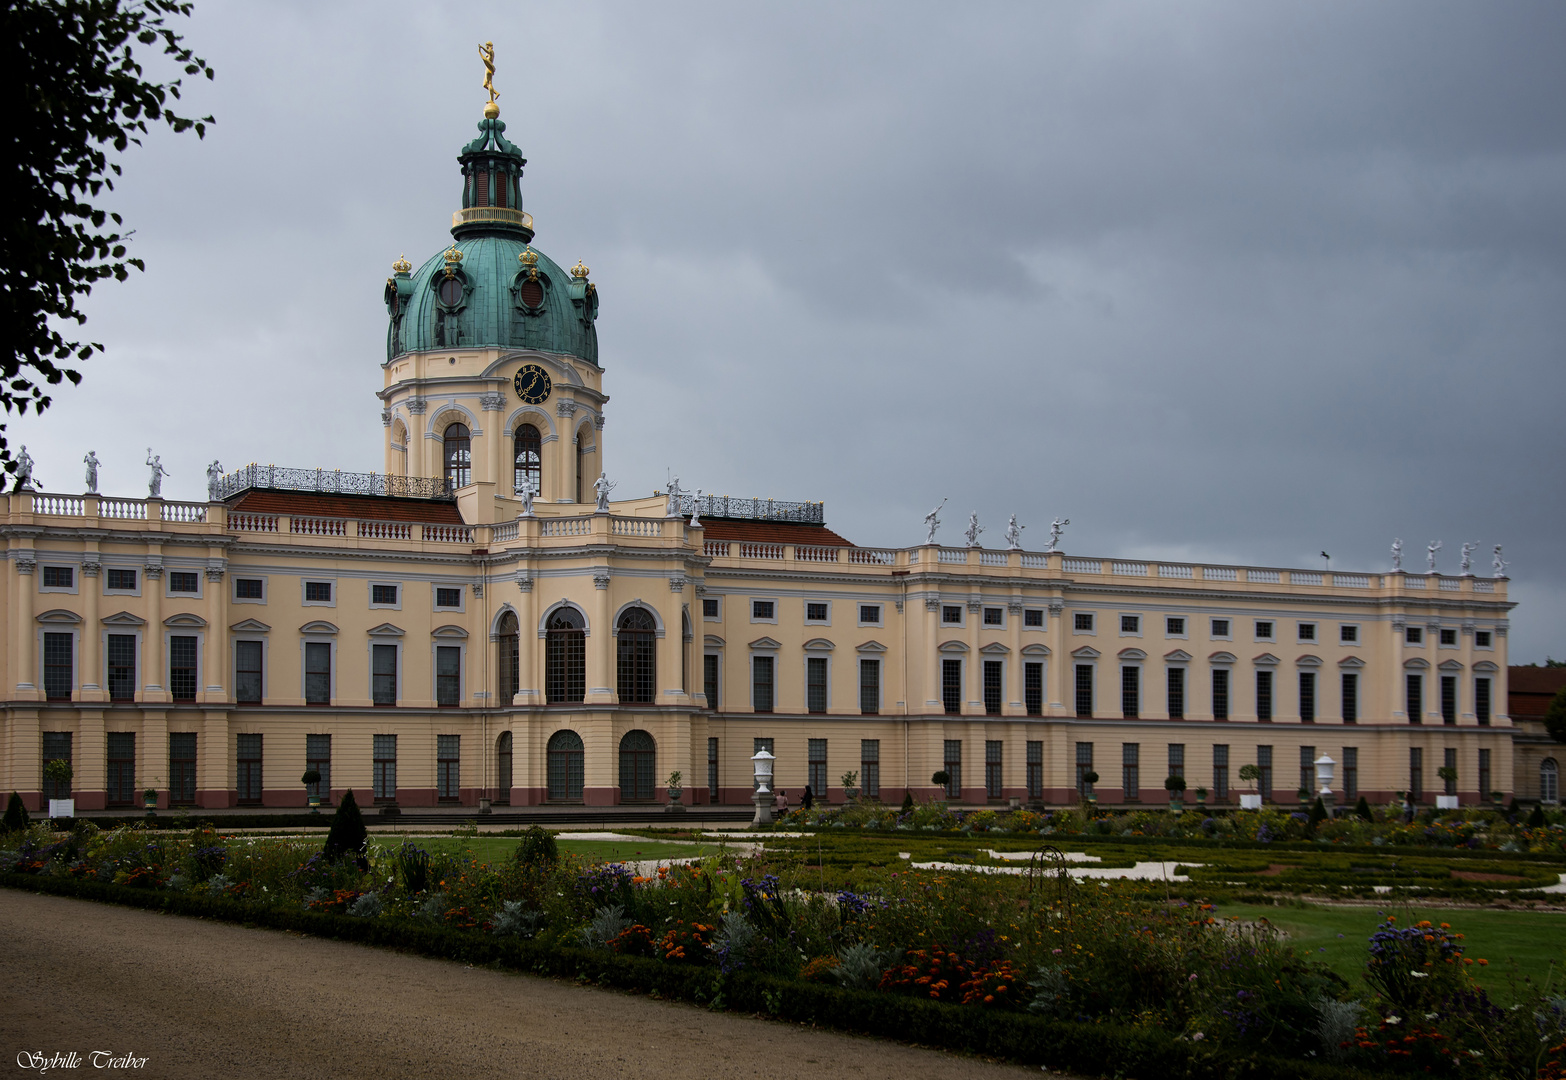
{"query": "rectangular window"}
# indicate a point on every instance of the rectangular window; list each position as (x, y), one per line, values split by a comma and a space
(953, 766)
(816, 684)
(762, 609)
(1350, 773)
(182, 668)
(1177, 759)
(709, 679)
(992, 686)
(1264, 763)
(1482, 701)
(448, 598)
(1350, 681)
(56, 747)
(1415, 700)
(1084, 690)
(1481, 639)
(1307, 631)
(816, 767)
(318, 672)
(1035, 769)
(1033, 687)
(318, 592)
(709, 607)
(58, 577)
(247, 773)
(951, 686)
(1307, 697)
(870, 768)
(870, 613)
(1414, 635)
(869, 686)
(122, 667)
(1264, 696)
(1263, 629)
(1308, 769)
(247, 672)
(383, 594)
(448, 767)
(1175, 681)
(385, 763)
(1130, 691)
(1174, 627)
(993, 751)
(1484, 774)
(1082, 621)
(1130, 624)
(951, 614)
(1084, 769)
(1220, 693)
(1033, 617)
(1449, 699)
(122, 768)
(1220, 628)
(761, 697)
(1416, 774)
(318, 756)
(183, 581)
(712, 769)
(59, 667)
(249, 588)
(994, 616)
(1449, 761)
(182, 767)
(815, 613)
(1348, 635)
(1448, 637)
(1130, 771)
(1221, 772)
(121, 579)
(448, 675)
(383, 684)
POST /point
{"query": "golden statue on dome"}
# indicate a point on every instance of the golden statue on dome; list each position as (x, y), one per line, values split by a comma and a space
(487, 54)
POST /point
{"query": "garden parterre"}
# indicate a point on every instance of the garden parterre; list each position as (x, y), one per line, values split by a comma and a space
(1038, 947)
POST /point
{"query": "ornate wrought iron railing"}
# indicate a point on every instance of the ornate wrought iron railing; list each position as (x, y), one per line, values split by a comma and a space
(725, 506)
(333, 482)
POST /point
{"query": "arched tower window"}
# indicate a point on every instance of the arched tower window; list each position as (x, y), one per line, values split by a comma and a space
(565, 658)
(637, 760)
(506, 642)
(529, 459)
(580, 466)
(686, 637)
(458, 455)
(563, 765)
(636, 653)
(1549, 781)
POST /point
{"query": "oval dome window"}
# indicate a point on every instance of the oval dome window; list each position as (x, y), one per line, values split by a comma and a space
(532, 294)
(451, 292)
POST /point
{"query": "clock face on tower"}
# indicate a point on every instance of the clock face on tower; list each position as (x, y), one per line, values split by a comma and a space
(533, 384)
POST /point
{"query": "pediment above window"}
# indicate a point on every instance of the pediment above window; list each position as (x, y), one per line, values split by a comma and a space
(819, 644)
(59, 617)
(1416, 664)
(1266, 659)
(386, 629)
(1351, 662)
(713, 641)
(1485, 665)
(1450, 665)
(1086, 652)
(320, 626)
(952, 647)
(1221, 657)
(995, 648)
(1308, 660)
(871, 646)
(124, 618)
(448, 631)
(766, 643)
(1132, 654)
(1035, 650)
(1177, 656)
(250, 626)
(185, 619)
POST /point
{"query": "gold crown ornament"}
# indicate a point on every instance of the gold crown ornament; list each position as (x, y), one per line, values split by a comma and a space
(453, 258)
(402, 265)
(579, 270)
(529, 261)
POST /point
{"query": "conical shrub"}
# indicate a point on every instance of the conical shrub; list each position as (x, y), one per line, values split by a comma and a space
(348, 835)
(15, 814)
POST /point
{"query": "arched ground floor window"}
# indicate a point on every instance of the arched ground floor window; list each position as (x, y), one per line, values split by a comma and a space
(563, 761)
(1549, 781)
(637, 764)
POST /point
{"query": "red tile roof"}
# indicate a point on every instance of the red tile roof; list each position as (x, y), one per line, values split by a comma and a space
(367, 507)
(772, 532)
(1531, 689)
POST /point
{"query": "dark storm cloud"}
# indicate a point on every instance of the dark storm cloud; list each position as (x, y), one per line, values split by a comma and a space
(1217, 281)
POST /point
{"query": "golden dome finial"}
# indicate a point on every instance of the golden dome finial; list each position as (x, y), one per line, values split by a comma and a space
(491, 110)
(453, 257)
(579, 270)
(528, 257)
(402, 265)
(487, 54)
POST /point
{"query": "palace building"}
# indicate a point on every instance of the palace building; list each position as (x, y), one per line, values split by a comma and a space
(475, 623)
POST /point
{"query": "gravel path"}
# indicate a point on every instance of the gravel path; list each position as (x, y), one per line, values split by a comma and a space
(201, 999)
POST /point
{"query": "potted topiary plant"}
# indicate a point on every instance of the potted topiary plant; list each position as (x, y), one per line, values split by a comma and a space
(1201, 798)
(1497, 796)
(941, 778)
(311, 777)
(1175, 785)
(149, 800)
(676, 790)
(850, 781)
(1250, 774)
(1447, 773)
(1089, 778)
(58, 773)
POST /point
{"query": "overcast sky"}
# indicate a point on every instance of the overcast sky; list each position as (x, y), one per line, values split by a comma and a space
(1228, 281)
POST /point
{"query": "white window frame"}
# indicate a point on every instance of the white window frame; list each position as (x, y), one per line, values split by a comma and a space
(200, 634)
(314, 637)
(266, 664)
(1140, 623)
(1315, 632)
(880, 681)
(141, 577)
(806, 610)
(138, 683)
(1486, 648)
(962, 614)
(75, 630)
(168, 583)
(813, 653)
(1184, 634)
(369, 594)
(880, 610)
(984, 611)
(317, 579)
(1359, 634)
(1092, 629)
(1043, 619)
(1272, 630)
(402, 670)
(718, 600)
(1457, 637)
(462, 596)
(73, 589)
(773, 621)
(461, 645)
(233, 589)
(777, 680)
(1212, 628)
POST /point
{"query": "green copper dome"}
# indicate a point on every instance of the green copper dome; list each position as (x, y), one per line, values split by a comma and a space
(491, 288)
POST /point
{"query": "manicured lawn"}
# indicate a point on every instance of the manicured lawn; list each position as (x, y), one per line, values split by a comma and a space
(500, 848)
(1339, 935)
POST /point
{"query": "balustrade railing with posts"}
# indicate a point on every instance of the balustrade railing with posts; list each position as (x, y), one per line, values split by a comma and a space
(332, 482)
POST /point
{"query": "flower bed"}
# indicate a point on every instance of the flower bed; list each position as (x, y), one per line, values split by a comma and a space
(1038, 968)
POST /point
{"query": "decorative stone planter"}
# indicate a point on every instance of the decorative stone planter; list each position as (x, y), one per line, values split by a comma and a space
(675, 806)
(1250, 802)
(315, 803)
(62, 808)
(851, 793)
(149, 802)
(484, 806)
(1446, 802)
